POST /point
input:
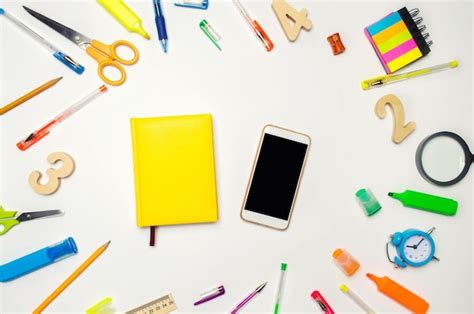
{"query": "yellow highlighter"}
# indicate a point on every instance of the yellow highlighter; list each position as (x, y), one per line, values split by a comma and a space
(125, 16)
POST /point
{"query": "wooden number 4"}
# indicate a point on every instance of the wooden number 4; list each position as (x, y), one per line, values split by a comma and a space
(299, 19)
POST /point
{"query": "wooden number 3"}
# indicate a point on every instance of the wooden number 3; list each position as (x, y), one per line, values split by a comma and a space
(285, 13)
(54, 175)
(400, 130)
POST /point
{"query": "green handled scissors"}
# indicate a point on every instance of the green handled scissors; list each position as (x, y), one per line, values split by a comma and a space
(9, 219)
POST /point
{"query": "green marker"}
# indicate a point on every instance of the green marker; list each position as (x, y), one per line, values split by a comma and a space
(430, 203)
(280, 287)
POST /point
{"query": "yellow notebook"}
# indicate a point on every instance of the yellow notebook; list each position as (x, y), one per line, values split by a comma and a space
(175, 179)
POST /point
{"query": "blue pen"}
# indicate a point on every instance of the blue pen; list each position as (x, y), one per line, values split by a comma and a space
(61, 56)
(161, 25)
(36, 260)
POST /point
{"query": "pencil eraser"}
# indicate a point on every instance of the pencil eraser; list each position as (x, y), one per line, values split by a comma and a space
(2, 11)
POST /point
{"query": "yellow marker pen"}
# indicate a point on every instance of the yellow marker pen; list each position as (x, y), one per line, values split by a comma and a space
(391, 78)
(125, 16)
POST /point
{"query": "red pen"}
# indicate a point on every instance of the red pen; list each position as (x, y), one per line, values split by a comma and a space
(44, 130)
(322, 302)
(258, 30)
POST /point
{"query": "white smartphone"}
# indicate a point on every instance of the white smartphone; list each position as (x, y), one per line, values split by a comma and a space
(275, 177)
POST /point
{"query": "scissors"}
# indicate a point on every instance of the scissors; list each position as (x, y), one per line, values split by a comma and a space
(8, 219)
(105, 55)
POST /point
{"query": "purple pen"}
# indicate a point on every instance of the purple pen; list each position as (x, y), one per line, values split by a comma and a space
(248, 298)
(209, 295)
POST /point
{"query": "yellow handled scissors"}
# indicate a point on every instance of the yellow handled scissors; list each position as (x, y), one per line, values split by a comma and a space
(105, 55)
(9, 219)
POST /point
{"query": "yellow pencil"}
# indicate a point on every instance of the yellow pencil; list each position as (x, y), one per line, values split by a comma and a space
(71, 278)
(30, 95)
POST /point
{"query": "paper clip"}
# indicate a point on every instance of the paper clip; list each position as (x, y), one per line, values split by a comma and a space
(210, 32)
(322, 302)
(193, 4)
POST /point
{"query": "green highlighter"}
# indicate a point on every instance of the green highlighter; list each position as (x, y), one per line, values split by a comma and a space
(430, 203)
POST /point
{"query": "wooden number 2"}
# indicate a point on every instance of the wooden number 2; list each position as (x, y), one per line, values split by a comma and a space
(54, 175)
(400, 130)
(285, 12)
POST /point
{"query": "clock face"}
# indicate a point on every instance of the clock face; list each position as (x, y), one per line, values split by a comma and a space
(417, 249)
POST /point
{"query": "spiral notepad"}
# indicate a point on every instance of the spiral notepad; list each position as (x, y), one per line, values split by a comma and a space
(398, 39)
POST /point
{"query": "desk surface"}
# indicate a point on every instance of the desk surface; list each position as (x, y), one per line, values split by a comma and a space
(299, 85)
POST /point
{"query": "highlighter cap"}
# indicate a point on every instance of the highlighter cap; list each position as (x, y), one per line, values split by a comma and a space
(368, 201)
(61, 250)
(348, 264)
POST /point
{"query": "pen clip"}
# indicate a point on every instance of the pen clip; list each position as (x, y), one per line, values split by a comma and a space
(193, 4)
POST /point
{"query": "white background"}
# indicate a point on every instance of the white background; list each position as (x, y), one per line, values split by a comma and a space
(299, 85)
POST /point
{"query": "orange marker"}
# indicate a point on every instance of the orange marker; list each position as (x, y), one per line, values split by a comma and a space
(400, 294)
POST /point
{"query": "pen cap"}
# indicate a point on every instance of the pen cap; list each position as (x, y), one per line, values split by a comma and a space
(207, 28)
(345, 261)
(103, 307)
(36, 260)
(368, 201)
(61, 250)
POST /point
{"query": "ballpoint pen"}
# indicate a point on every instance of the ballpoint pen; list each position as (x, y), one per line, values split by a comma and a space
(61, 56)
(280, 287)
(44, 130)
(261, 35)
(248, 298)
(391, 78)
(161, 25)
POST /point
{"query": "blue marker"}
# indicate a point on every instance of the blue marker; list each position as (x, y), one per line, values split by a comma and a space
(36, 260)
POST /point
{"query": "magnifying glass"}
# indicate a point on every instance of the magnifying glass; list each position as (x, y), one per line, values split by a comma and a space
(443, 158)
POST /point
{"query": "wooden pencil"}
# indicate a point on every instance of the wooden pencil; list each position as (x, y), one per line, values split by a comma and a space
(29, 95)
(71, 278)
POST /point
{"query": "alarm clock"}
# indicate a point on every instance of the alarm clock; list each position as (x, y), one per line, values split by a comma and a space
(414, 247)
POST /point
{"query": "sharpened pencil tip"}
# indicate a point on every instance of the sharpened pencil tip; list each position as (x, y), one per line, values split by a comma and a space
(56, 79)
(107, 244)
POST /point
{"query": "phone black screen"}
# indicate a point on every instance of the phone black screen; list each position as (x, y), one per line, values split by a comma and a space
(276, 176)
